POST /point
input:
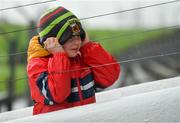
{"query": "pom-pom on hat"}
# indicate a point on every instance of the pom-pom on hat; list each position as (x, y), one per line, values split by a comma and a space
(61, 23)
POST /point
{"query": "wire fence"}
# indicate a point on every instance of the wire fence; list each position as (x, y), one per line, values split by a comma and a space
(105, 38)
(26, 5)
(103, 65)
(96, 16)
(19, 78)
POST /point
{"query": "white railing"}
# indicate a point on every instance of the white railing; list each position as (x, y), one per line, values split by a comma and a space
(157, 101)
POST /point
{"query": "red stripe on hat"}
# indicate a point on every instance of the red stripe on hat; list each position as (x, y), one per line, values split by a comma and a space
(50, 15)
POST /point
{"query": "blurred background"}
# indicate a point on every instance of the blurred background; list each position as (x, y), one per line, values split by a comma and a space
(144, 39)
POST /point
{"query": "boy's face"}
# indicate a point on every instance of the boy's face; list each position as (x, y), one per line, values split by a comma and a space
(72, 46)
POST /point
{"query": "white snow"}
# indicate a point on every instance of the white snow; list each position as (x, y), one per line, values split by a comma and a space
(137, 89)
(157, 101)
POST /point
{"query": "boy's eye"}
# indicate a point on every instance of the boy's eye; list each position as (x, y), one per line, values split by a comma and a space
(73, 38)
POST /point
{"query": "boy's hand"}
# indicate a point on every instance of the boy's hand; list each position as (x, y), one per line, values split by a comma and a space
(86, 40)
(52, 45)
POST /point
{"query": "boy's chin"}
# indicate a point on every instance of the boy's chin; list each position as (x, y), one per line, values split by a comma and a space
(73, 55)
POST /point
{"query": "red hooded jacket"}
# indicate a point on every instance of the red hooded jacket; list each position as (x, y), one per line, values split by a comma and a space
(58, 82)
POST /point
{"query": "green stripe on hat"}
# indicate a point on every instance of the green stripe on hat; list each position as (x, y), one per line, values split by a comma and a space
(54, 23)
(64, 27)
(62, 30)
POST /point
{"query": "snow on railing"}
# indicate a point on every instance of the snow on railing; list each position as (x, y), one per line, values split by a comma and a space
(157, 101)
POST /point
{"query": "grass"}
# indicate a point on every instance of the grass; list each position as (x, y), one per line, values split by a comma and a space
(116, 41)
(20, 85)
(21, 40)
(4, 72)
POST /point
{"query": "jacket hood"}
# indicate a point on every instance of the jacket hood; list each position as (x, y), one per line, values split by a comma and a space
(35, 50)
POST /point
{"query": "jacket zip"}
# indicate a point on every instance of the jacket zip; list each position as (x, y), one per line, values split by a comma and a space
(78, 84)
(79, 91)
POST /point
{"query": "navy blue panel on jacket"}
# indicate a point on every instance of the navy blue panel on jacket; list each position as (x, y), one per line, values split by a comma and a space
(74, 96)
(42, 83)
(87, 86)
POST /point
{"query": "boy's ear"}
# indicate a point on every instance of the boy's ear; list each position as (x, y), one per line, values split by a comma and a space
(87, 36)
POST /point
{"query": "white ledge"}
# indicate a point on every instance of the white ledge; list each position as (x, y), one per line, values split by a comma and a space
(155, 101)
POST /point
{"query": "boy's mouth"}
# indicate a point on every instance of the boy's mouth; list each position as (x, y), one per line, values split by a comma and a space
(75, 49)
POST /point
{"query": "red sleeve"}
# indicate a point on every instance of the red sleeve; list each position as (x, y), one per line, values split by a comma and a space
(58, 81)
(59, 77)
(106, 70)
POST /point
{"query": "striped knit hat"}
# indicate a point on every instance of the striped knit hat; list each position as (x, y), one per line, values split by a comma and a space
(60, 23)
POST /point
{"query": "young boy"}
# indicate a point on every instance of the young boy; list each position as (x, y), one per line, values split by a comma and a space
(64, 66)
